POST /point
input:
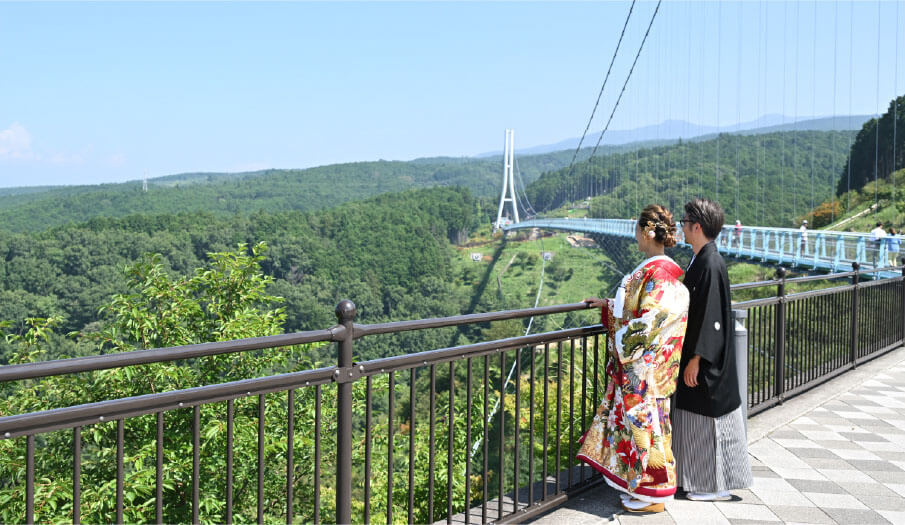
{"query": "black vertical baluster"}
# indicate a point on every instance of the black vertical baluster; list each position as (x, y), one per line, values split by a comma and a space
(196, 461)
(811, 336)
(261, 414)
(853, 350)
(902, 305)
(451, 443)
(761, 354)
(120, 440)
(531, 431)
(431, 437)
(290, 456)
(391, 416)
(584, 395)
(367, 480)
(486, 423)
(780, 334)
(411, 486)
(317, 453)
(571, 406)
(793, 347)
(502, 405)
(758, 354)
(817, 337)
(468, 402)
(158, 498)
(753, 375)
(822, 345)
(827, 307)
(30, 479)
(230, 422)
(77, 475)
(558, 415)
(596, 377)
(546, 417)
(808, 337)
(517, 426)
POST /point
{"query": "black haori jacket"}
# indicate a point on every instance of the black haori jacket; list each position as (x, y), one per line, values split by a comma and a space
(709, 335)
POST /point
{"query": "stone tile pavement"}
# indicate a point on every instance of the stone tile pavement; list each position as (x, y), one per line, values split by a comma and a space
(835, 454)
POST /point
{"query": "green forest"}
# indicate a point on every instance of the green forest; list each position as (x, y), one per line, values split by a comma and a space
(877, 149)
(770, 180)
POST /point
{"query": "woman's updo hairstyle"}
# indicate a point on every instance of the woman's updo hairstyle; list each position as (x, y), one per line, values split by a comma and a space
(657, 219)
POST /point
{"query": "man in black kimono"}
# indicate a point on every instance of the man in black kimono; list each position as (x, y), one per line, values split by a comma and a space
(709, 428)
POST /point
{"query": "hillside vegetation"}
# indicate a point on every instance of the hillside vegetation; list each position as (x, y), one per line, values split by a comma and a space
(769, 180)
(878, 148)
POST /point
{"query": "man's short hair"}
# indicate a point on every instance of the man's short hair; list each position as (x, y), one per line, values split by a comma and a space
(708, 214)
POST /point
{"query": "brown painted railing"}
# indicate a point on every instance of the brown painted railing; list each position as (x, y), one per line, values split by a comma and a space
(522, 453)
(797, 341)
(487, 464)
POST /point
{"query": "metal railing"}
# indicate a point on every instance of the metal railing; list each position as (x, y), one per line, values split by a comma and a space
(799, 340)
(417, 437)
(477, 432)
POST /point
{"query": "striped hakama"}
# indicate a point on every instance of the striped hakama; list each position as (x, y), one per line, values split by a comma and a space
(711, 453)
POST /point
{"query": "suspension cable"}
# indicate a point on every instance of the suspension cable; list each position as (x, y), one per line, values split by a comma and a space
(877, 134)
(719, 60)
(835, 83)
(813, 98)
(895, 106)
(851, 87)
(738, 105)
(782, 133)
(628, 77)
(793, 171)
(602, 87)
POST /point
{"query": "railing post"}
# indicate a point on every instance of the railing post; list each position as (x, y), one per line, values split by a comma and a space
(345, 315)
(902, 291)
(854, 331)
(779, 376)
(741, 356)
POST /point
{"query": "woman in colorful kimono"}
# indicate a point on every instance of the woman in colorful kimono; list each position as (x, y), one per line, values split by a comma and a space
(630, 440)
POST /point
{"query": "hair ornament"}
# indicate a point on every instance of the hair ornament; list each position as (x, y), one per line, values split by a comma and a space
(651, 233)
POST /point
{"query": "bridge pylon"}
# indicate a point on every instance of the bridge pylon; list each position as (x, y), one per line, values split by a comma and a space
(508, 182)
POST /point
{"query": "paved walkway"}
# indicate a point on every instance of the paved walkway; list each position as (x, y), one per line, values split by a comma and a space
(833, 455)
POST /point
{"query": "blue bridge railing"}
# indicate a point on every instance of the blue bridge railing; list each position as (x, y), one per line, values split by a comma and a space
(824, 250)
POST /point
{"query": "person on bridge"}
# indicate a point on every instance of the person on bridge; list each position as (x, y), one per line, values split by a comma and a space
(710, 442)
(803, 241)
(877, 237)
(893, 245)
(630, 439)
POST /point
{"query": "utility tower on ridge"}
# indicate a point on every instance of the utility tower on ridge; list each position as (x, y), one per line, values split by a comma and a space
(508, 181)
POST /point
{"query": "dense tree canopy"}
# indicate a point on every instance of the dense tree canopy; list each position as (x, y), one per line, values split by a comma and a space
(769, 179)
(872, 152)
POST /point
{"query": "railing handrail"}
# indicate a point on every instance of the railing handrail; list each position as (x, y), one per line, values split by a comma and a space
(110, 410)
(333, 334)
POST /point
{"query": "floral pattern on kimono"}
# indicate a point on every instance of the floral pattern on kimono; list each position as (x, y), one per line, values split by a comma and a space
(630, 439)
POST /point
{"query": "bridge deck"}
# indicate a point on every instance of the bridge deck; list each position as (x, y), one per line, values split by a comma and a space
(833, 455)
(821, 250)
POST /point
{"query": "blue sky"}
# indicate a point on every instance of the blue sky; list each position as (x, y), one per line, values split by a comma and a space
(106, 92)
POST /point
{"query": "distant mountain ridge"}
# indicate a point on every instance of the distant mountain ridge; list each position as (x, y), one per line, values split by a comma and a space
(670, 131)
(38, 208)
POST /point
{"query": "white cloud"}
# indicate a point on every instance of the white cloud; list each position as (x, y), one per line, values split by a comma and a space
(15, 143)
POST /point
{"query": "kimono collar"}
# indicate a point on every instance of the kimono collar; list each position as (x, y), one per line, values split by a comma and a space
(707, 248)
(660, 261)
